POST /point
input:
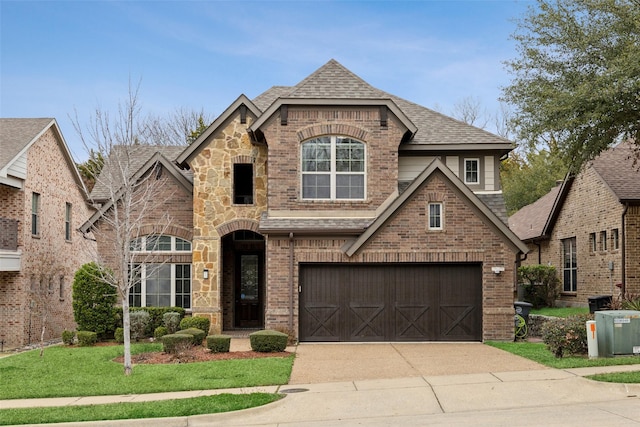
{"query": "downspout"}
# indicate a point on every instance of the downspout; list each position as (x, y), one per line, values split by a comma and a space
(622, 252)
(291, 282)
(539, 252)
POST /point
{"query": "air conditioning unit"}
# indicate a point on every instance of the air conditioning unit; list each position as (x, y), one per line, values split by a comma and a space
(618, 332)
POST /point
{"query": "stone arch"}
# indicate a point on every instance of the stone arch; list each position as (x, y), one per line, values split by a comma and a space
(237, 224)
(243, 159)
(333, 129)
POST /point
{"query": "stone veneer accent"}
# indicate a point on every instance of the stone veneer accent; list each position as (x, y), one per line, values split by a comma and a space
(214, 214)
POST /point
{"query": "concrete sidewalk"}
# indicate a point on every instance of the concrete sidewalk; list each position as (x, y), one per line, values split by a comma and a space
(491, 389)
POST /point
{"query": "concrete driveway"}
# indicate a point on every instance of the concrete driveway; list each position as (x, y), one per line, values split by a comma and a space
(322, 363)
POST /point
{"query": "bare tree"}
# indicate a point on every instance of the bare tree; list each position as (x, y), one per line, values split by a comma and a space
(180, 127)
(132, 191)
(469, 110)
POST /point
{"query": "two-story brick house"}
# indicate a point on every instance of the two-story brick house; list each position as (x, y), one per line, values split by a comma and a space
(344, 213)
(339, 212)
(42, 203)
(589, 228)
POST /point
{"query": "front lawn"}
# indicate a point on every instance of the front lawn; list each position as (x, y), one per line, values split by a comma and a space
(560, 311)
(129, 411)
(91, 371)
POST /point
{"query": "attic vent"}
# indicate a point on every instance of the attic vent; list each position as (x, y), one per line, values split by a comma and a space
(383, 116)
(284, 115)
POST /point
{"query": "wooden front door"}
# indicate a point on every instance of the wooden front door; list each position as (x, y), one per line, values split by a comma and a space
(249, 290)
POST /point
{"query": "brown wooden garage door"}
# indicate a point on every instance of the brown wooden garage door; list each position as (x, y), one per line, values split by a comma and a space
(398, 302)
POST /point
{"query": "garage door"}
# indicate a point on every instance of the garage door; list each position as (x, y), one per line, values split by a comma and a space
(398, 302)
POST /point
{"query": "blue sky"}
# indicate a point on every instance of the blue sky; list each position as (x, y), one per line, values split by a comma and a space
(59, 57)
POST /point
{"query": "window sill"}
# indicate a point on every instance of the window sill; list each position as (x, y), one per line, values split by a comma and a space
(36, 236)
(569, 294)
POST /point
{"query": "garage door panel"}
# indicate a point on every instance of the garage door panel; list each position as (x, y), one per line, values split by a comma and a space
(394, 302)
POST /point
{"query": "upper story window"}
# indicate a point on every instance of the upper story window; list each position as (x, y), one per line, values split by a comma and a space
(615, 239)
(160, 243)
(243, 183)
(471, 171)
(435, 216)
(67, 221)
(35, 214)
(603, 240)
(593, 244)
(569, 265)
(333, 168)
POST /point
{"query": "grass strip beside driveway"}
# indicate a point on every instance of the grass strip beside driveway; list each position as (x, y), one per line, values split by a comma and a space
(122, 411)
(91, 371)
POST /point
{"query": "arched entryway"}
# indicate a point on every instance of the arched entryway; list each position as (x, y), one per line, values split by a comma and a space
(243, 280)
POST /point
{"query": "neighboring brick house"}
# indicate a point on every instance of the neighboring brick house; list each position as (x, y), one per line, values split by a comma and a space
(339, 212)
(42, 203)
(589, 228)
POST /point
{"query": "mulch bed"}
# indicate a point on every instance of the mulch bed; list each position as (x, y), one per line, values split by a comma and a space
(197, 354)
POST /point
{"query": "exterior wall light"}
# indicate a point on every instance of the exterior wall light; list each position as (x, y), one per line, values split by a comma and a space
(205, 273)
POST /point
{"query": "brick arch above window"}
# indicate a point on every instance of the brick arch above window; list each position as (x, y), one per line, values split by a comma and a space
(333, 129)
(170, 230)
(237, 225)
(436, 196)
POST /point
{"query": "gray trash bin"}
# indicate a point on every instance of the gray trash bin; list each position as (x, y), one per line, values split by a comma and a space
(523, 308)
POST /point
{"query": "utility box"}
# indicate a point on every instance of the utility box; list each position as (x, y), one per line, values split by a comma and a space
(618, 332)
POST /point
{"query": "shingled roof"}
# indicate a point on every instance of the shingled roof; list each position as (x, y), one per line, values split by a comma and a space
(334, 81)
(528, 223)
(619, 168)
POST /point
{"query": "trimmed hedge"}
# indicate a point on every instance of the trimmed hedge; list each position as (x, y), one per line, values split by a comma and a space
(87, 338)
(68, 337)
(566, 336)
(268, 341)
(160, 332)
(173, 343)
(119, 335)
(171, 321)
(202, 323)
(219, 343)
(197, 334)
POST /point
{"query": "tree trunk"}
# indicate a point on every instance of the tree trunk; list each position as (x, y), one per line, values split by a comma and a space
(126, 325)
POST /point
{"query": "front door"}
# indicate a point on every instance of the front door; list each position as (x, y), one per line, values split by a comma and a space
(248, 290)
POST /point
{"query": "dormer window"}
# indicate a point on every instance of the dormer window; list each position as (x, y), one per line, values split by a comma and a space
(333, 168)
(471, 171)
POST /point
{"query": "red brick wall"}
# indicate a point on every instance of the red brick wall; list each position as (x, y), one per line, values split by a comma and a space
(405, 238)
(632, 250)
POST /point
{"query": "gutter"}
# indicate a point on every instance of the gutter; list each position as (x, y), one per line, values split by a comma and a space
(291, 282)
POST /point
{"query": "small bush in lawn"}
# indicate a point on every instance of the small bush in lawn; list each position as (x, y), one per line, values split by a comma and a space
(268, 341)
(68, 337)
(566, 336)
(171, 321)
(219, 343)
(202, 323)
(119, 335)
(87, 338)
(175, 343)
(198, 334)
(160, 332)
(290, 334)
(139, 321)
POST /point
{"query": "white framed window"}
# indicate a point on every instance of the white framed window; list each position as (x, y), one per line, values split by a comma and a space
(35, 214)
(67, 221)
(593, 244)
(472, 171)
(435, 216)
(333, 168)
(161, 285)
(569, 265)
(603, 241)
(615, 239)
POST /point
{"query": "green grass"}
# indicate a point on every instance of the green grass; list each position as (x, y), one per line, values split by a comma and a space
(560, 311)
(539, 353)
(618, 377)
(120, 411)
(91, 371)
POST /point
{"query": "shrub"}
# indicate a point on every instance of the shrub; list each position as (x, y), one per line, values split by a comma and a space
(197, 334)
(202, 323)
(541, 284)
(68, 337)
(156, 316)
(219, 343)
(160, 332)
(268, 341)
(171, 321)
(175, 343)
(119, 335)
(139, 322)
(87, 338)
(291, 340)
(93, 300)
(566, 336)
